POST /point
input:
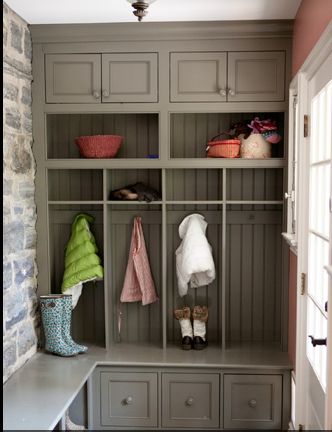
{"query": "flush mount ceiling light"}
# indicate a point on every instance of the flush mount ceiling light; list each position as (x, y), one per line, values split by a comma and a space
(140, 6)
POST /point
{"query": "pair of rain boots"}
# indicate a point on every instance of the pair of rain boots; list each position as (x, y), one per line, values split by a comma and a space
(56, 310)
(193, 336)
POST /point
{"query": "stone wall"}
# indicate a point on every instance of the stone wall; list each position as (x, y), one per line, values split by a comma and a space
(20, 315)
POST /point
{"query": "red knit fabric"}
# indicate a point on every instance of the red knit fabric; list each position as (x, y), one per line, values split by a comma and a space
(138, 284)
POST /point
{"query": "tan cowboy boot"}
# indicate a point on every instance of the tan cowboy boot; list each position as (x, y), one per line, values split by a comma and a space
(200, 316)
(183, 316)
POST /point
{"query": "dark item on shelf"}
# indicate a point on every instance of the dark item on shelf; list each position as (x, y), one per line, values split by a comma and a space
(153, 156)
(227, 148)
(135, 192)
(99, 146)
(240, 128)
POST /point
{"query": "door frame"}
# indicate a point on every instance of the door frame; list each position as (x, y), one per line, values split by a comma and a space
(314, 61)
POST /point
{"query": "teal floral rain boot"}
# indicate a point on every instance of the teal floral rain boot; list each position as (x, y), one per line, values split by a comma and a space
(66, 325)
(52, 312)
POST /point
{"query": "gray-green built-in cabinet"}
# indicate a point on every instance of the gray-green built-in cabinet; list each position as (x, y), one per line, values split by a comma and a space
(168, 88)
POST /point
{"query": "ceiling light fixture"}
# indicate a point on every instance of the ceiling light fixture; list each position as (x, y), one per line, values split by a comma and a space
(140, 6)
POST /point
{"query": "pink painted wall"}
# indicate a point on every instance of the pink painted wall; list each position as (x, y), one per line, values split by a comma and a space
(310, 21)
(292, 307)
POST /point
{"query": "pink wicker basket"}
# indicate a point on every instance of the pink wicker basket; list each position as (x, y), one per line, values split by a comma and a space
(229, 148)
(99, 146)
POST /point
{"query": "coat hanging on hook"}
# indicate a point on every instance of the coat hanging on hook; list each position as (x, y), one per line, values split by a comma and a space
(138, 283)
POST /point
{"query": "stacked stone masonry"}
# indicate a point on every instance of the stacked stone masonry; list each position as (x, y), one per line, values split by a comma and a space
(20, 314)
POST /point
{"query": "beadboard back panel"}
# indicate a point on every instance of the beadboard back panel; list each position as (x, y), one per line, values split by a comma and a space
(88, 323)
(205, 296)
(254, 185)
(140, 132)
(253, 277)
(75, 185)
(138, 323)
(194, 184)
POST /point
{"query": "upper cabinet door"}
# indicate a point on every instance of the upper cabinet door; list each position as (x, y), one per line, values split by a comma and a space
(256, 76)
(198, 77)
(73, 78)
(130, 77)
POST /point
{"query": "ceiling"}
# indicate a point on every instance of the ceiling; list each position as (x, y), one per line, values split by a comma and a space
(97, 11)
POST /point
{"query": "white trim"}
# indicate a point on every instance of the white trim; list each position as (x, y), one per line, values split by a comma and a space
(290, 239)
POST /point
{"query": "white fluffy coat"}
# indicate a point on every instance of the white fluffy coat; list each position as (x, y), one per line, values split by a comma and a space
(194, 261)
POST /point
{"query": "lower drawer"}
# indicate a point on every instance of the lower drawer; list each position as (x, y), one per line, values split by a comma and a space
(252, 401)
(128, 399)
(190, 400)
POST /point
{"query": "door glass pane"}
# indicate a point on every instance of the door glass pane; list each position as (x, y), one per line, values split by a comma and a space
(319, 198)
(317, 327)
(317, 276)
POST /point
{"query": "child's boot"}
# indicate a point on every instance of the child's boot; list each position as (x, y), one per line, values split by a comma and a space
(200, 316)
(183, 315)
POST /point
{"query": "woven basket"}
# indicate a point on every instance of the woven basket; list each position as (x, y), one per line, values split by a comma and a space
(228, 148)
(99, 146)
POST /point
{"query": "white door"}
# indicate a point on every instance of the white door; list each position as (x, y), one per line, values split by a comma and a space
(318, 244)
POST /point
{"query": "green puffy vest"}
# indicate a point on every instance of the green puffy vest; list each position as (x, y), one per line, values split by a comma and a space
(81, 260)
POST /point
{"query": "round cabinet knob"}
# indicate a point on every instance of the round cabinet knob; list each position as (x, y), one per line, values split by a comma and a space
(190, 401)
(222, 92)
(231, 92)
(252, 403)
(105, 93)
(128, 401)
(96, 94)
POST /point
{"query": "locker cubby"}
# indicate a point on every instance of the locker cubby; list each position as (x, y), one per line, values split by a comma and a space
(190, 132)
(75, 185)
(253, 277)
(254, 184)
(119, 178)
(138, 323)
(211, 295)
(194, 184)
(88, 321)
(140, 132)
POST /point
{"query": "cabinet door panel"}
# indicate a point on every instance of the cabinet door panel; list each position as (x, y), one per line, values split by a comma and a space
(256, 76)
(128, 399)
(252, 401)
(73, 78)
(190, 400)
(198, 77)
(130, 77)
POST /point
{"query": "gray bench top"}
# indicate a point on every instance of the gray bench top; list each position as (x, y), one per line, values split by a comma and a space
(38, 394)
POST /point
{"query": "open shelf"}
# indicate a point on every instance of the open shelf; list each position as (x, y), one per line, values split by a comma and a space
(140, 132)
(190, 132)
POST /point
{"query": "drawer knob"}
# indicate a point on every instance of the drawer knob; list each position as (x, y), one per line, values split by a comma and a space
(105, 93)
(222, 92)
(190, 401)
(231, 92)
(128, 401)
(252, 403)
(96, 94)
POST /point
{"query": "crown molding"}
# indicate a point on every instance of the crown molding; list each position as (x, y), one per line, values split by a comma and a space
(61, 33)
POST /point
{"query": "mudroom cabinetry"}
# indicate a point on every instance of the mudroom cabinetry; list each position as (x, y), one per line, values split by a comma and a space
(111, 77)
(227, 76)
(163, 87)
